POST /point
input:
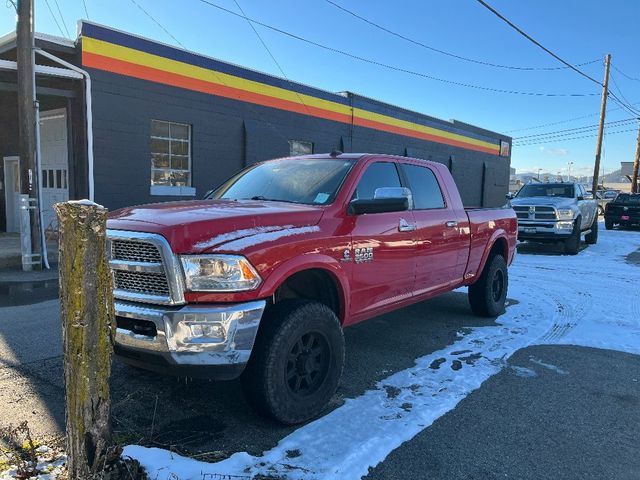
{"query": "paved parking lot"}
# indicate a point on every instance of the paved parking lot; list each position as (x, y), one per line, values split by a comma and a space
(551, 389)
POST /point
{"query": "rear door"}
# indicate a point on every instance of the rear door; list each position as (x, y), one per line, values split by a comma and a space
(382, 246)
(441, 232)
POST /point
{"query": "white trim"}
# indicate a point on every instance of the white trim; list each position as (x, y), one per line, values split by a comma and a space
(89, 113)
(42, 70)
(172, 191)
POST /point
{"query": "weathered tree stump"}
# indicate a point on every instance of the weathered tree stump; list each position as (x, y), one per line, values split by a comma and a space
(86, 302)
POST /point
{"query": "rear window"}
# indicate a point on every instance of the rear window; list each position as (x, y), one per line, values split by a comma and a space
(627, 199)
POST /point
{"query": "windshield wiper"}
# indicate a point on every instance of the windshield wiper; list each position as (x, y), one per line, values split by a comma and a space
(263, 198)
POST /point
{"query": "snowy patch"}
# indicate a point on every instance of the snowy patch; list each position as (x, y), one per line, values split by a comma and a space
(264, 237)
(560, 300)
(523, 372)
(235, 235)
(548, 366)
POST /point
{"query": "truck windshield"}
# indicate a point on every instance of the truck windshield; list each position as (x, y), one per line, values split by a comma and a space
(308, 181)
(546, 190)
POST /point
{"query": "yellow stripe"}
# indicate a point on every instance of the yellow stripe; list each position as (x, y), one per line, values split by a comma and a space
(137, 57)
(367, 115)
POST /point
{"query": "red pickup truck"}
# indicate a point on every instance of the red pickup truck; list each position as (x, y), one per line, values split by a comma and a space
(259, 279)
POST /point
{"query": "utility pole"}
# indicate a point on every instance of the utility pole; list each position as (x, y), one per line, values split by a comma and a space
(603, 111)
(27, 129)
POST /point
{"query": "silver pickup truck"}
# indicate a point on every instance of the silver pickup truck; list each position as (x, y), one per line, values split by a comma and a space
(553, 212)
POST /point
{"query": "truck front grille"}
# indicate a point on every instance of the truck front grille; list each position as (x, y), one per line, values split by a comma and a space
(144, 268)
(135, 251)
(535, 213)
(142, 282)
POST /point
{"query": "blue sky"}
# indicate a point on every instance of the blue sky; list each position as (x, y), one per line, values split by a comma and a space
(577, 30)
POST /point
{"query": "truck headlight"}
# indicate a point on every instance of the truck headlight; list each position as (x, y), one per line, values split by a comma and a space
(565, 214)
(219, 273)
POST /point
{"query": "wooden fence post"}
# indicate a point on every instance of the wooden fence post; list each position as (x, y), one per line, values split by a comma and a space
(86, 302)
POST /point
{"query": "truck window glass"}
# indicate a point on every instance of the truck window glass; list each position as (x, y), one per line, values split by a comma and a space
(424, 187)
(377, 175)
(313, 181)
(546, 190)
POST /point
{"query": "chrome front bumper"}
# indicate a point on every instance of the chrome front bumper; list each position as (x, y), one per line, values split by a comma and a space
(546, 229)
(201, 336)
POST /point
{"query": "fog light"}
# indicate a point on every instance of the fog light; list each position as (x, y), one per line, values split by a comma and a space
(564, 225)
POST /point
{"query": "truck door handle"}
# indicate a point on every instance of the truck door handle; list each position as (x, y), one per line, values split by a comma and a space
(405, 226)
(451, 224)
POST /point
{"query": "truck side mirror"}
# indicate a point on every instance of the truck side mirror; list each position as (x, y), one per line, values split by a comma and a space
(580, 198)
(510, 195)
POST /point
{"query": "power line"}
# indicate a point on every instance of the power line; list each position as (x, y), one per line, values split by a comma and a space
(64, 24)
(443, 52)
(535, 42)
(527, 144)
(560, 122)
(586, 127)
(54, 17)
(570, 134)
(271, 54)
(614, 97)
(158, 24)
(86, 12)
(619, 89)
(635, 79)
(393, 67)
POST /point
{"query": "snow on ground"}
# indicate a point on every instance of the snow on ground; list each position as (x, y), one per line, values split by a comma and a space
(590, 299)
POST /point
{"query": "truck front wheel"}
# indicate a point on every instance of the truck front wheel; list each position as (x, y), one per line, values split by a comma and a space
(488, 294)
(296, 362)
(572, 244)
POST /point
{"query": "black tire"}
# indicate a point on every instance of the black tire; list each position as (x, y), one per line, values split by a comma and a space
(296, 363)
(608, 224)
(592, 238)
(488, 294)
(600, 210)
(572, 244)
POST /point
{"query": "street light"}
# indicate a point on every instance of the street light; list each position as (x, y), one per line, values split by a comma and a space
(569, 163)
(539, 174)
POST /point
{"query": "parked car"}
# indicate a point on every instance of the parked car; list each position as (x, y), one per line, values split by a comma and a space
(623, 211)
(552, 212)
(259, 279)
(603, 197)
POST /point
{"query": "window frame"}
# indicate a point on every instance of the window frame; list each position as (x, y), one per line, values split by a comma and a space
(404, 177)
(163, 189)
(301, 142)
(355, 186)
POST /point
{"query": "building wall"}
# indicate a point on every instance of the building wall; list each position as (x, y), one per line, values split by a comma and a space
(239, 116)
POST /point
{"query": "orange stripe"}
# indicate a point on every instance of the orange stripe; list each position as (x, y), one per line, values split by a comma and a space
(167, 78)
(363, 122)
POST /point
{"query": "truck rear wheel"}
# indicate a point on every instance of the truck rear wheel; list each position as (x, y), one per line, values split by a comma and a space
(296, 363)
(572, 244)
(592, 238)
(488, 294)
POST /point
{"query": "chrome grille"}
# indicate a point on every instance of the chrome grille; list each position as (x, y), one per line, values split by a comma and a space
(142, 282)
(144, 268)
(135, 251)
(535, 213)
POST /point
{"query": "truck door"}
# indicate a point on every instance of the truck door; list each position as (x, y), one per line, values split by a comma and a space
(441, 233)
(382, 246)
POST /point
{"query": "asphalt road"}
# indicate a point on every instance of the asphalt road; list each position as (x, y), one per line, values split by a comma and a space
(577, 421)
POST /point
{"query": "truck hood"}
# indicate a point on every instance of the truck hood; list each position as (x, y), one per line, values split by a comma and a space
(558, 202)
(199, 226)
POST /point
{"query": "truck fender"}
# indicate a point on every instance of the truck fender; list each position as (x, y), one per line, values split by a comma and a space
(309, 262)
(498, 235)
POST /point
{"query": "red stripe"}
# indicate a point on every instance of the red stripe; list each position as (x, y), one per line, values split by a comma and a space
(113, 65)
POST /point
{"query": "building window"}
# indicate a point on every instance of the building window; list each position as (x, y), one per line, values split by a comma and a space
(170, 154)
(298, 147)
